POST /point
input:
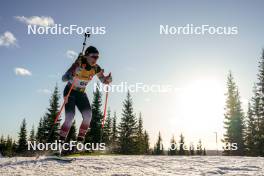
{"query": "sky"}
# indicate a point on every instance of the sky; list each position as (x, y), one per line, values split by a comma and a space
(134, 51)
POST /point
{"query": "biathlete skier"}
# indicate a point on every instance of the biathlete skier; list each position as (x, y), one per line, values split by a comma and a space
(79, 74)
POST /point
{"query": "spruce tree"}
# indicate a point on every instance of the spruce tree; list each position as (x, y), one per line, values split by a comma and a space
(9, 147)
(13, 146)
(114, 136)
(173, 146)
(158, 148)
(107, 131)
(256, 116)
(234, 120)
(32, 136)
(51, 129)
(22, 141)
(251, 132)
(260, 111)
(140, 136)
(239, 126)
(199, 148)
(40, 135)
(181, 145)
(2, 139)
(191, 149)
(127, 128)
(47, 127)
(2, 145)
(204, 152)
(94, 135)
(146, 143)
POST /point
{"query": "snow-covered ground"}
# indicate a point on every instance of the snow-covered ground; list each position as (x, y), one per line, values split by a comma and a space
(134, 165)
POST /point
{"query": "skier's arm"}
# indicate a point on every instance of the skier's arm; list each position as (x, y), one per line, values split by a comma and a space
(69, 73)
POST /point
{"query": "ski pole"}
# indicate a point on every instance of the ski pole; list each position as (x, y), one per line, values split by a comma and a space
(105, 105)
(104, 115)
(64, 102)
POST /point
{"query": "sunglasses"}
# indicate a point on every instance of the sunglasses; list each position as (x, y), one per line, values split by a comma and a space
(94, 56)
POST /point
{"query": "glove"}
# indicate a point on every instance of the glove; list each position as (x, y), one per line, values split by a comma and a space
(108, 79)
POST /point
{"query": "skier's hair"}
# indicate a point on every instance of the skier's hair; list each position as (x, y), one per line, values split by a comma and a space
(91, 49)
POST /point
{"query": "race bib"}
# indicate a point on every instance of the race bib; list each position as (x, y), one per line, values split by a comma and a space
(84, 76)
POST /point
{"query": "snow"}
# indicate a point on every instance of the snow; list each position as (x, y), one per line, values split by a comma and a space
(123, 165)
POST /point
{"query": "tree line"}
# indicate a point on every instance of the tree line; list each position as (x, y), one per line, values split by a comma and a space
(178, 148)
(245, 129)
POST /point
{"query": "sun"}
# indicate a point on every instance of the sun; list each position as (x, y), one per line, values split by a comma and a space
(204, 97)
(200, 107)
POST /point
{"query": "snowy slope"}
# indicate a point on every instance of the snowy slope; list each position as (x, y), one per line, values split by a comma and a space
(134, 165)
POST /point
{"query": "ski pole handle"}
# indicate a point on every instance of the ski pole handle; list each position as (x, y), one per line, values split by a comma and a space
(86, 34)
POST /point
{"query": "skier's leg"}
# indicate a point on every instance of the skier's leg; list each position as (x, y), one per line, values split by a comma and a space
(69, 116)
(84, 106)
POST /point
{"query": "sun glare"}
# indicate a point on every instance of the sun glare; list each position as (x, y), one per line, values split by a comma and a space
(200, 106)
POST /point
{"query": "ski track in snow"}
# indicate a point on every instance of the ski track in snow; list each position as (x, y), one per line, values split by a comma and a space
(124, 165)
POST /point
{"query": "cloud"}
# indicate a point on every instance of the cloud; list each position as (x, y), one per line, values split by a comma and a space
(8, 39)
(36, 20)
(44, 91)
(22, 72)
(71, 54)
